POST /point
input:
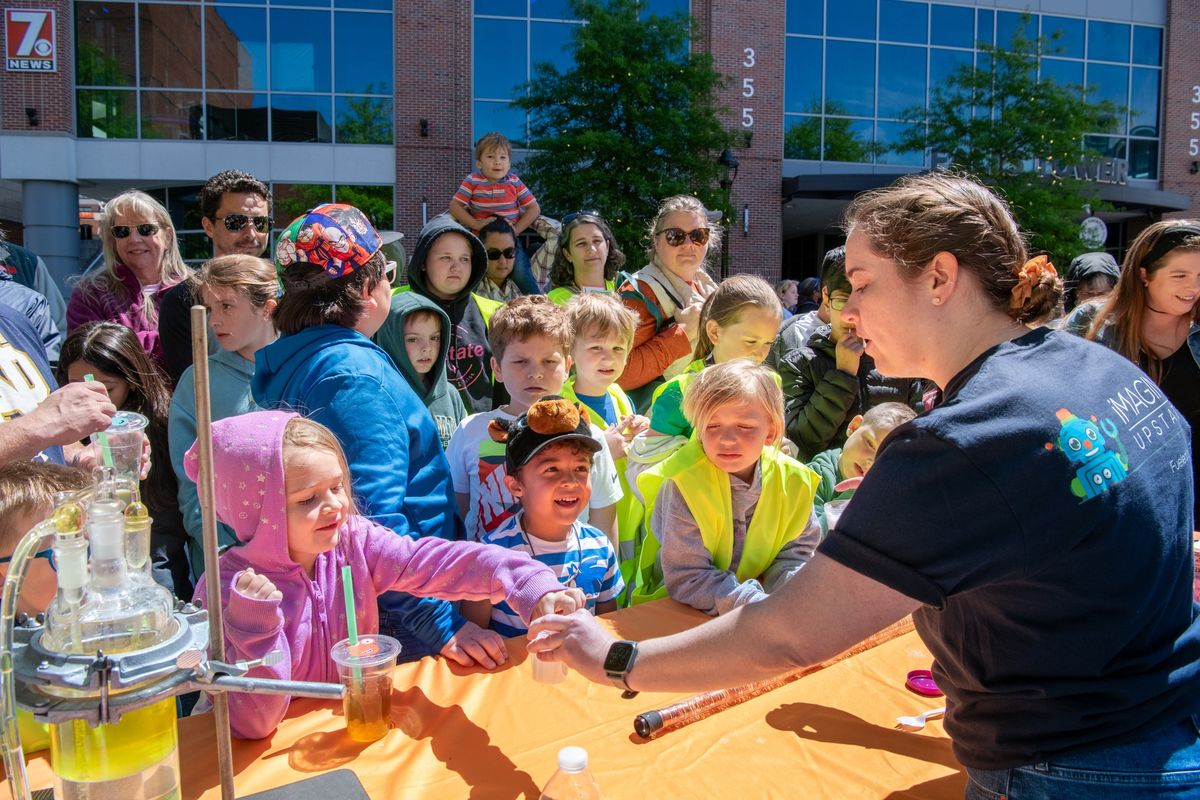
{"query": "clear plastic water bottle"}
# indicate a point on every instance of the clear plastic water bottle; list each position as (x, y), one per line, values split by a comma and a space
(572, 781)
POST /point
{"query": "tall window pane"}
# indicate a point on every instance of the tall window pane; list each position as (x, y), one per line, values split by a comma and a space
(901, 80)
(300, 51)
(1143, 102)
(551, 42)
(1065, 35)
(499, 57)
(1108, 41)
(901, 21)
(853, 19)
(293, 199)
(1062, 72)
(235, 48)
(238, 117)
(550, 9)
(985, 27)
(172, 115)
(504, 8)
(1143, 159)
(1147, 45)
(952, 26)
(105, 44)
(888, 135)
(500, 116)
(1011, 24)
(362, 51)
(170, 45)
(363, 120)
(850, 78)
(376, 202)
(802, 84)
(942, 65)
(106, 113)
(301, 118)
(1107, 82)
(849, 140)
(805, 16)
(802, 137)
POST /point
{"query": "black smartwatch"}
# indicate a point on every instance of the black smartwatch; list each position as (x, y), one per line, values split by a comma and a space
(619, 661)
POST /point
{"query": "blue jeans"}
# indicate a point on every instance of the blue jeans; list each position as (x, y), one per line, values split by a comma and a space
(1165, 764)
(522, 273)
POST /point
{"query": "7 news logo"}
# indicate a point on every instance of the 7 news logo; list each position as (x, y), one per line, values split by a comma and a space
(29, 40)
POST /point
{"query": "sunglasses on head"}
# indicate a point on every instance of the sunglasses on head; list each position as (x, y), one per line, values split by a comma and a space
(583, 212)
(494, 254)
(235, 222)
(676, 236)
(47, 554)
(145, 229)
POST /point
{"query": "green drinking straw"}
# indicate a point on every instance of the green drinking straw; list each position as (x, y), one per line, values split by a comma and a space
(101, 436)
(351, 618)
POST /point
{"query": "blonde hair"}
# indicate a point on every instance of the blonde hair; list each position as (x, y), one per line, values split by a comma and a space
(492, 140)
(726, 304)
(253, 277)
(736, 381)
(691, 205)
(305, 434)
(140, 204)
(525, 316)
(602, 315)
(26, 487)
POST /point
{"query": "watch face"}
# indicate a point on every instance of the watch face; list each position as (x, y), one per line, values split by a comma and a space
(619, 656)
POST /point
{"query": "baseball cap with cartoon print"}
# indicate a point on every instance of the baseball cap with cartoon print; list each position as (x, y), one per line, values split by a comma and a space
(336, 237)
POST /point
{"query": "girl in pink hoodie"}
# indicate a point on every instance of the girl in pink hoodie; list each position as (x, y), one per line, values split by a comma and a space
(282, 484)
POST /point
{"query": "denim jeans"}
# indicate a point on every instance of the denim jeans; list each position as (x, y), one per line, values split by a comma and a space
(1164, 764)
(522, 273)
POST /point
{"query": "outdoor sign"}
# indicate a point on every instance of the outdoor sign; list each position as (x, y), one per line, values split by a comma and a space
(1093, 233)
(29, 40)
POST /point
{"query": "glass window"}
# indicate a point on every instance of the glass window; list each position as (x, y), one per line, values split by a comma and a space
(290, 200)
(300, 51)
(1065, 35)
(850, 18)
(195, 247)
(802, 85)
(901, 80)
(952, 26)
(849, 140)
(900, 21)
(499, 116)
(364, 120)
(850, 79)
(1107, 82)
(1064, 73)
(183, 205)
(362, 51)
(170, 45)
(804, 16)
(550, 9)
(377, 202)
(321, 3)
(375, 5)
(943, 64)
(105, 45)
(499, 59)
(1143, 102)
(172, 115)
(1143, 159)
(235, 48)
(1011, 24)
(985, 30)
(665, 8)
(1147, 45)
(552, 42)
(1105, 146)
(802, 137)
(301, 118)
(505, 8)
(887, 134)
(106, 113)
(1108, 41)
(241, 117)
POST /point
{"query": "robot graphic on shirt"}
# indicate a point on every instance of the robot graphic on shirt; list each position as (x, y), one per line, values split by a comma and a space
(1083, 442)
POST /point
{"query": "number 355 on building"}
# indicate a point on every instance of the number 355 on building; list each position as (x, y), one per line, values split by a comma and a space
(29, 40)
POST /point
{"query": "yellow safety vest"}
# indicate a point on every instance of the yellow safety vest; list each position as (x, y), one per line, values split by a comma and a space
(561, 295)
(781, 514)
(630, 512)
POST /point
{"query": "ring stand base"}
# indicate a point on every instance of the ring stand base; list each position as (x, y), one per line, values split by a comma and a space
(341, 783)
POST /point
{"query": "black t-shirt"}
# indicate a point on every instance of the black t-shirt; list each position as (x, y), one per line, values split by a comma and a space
(175, 329)
(1042, 514)
(1181, 384)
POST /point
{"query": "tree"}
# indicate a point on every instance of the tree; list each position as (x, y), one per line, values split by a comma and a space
(634, 121)
(1003, 126)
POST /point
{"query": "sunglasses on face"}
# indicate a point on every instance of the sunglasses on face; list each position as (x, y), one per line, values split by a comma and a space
(389, 272)
(495, 255)
(583, 212)
(47, 554)
(676, 236)
(145, 229)
(235, 222)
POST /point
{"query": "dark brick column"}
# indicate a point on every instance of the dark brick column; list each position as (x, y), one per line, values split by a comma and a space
(1181, 101)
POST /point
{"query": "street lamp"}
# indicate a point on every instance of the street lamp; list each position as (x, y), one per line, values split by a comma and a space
(730, 162)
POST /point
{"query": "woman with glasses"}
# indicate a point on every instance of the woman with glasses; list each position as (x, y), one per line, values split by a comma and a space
(587, 259)
(667, 295)
(141, 259)
(500, 244)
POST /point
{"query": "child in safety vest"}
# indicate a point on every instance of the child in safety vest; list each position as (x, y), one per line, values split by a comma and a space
(731, 517)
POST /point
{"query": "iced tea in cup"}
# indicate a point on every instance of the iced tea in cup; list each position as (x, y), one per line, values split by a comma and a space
(365, 670)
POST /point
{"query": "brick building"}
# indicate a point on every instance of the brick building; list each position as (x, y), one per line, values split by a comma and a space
(377, 102)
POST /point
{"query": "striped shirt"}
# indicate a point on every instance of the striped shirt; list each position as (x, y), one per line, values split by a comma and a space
(584, 560)
(506, 198)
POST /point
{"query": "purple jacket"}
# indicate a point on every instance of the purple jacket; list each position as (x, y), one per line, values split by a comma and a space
(249, 476)
(92, 299)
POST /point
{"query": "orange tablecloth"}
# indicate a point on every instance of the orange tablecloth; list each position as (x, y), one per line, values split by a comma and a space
(463, 733)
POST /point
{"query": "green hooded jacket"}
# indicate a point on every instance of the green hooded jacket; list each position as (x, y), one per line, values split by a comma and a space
(434, 389)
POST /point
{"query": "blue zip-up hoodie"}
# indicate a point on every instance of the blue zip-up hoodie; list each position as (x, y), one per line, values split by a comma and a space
(340, 378)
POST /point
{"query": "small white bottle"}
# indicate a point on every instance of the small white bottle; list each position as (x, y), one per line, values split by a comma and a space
(572, 781)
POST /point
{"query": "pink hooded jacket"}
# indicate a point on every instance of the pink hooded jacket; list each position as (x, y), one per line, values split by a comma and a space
(311, 618)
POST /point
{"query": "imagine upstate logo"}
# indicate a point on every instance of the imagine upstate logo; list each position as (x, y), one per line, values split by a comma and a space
(1095, 449)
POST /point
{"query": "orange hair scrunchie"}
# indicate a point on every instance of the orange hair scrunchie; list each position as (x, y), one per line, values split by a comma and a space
(1028, 277)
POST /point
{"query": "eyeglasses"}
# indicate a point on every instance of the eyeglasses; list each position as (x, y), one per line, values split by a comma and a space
(389, 271)
(235, 222)
(676, 236)
(838, 303)
(495, 255)
(145, 229)
(583, 212)
(47, 554)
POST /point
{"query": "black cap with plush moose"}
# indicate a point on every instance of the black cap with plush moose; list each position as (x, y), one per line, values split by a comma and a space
(551, 419)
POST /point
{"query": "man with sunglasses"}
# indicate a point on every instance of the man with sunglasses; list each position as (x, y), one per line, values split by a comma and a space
(236, 214)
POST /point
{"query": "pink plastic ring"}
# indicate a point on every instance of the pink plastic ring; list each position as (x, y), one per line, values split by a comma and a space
(921, 681)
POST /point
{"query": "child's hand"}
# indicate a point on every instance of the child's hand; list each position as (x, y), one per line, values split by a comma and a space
(563, 602)
(632, 425)
(472, 645)
(618, 446)
(848, 353)
(789, 448)
(688, 318)
(255, 586)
